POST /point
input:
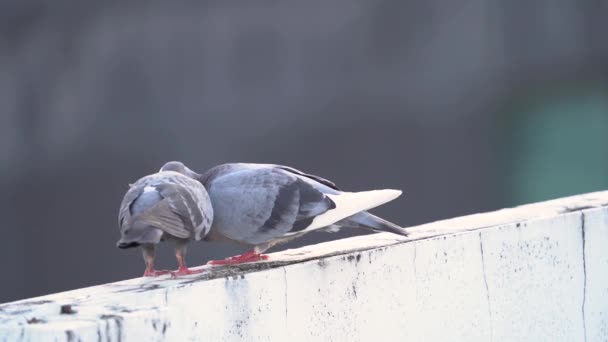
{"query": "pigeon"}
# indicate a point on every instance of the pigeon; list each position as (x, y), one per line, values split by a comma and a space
(169, 204)
(263, 205)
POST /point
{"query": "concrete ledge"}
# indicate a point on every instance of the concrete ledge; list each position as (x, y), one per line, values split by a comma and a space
(533, 273)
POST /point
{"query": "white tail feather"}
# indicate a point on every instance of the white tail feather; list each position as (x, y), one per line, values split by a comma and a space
(350, 203)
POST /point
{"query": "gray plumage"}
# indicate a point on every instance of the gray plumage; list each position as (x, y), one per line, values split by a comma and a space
(262, 205)
(165, 203)
(169, 204)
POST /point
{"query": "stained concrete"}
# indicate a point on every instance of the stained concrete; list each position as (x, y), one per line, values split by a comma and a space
(537, 272)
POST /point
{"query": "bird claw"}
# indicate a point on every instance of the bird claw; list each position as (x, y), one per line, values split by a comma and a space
(184, 271)
(239, 259)
(155, 273)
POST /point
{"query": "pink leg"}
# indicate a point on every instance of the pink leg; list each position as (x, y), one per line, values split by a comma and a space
(250, 256)
(148, 252)
(155, 273)
(180, 251)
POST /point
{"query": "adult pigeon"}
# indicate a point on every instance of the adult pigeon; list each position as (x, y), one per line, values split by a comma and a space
(262, 205)
(169, 204)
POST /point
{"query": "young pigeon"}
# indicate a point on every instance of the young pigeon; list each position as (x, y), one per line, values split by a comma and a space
(169, 204)
(262, 205)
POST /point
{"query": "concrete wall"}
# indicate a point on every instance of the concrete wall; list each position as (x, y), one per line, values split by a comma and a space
(370, 94)
(532, 273)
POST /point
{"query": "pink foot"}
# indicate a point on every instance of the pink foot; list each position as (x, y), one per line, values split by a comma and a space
(155, 273)
(184, 271)
(239, 259)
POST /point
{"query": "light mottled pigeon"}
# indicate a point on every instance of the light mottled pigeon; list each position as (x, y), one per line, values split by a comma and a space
(261, 205)
(169, 204)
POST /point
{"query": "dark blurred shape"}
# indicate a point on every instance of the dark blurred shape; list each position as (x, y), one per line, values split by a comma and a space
(467, 107)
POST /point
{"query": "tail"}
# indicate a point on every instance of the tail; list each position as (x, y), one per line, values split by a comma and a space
(137, 230)
(350, 203)
(368, 221)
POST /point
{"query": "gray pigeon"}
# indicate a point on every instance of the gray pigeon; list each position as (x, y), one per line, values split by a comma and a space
(262, 205)
(169, 204)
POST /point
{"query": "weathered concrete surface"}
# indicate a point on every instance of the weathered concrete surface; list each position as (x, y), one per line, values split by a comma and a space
(533, 273)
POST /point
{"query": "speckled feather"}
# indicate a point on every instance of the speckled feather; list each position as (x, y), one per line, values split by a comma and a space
(169, 201)
(263, 204)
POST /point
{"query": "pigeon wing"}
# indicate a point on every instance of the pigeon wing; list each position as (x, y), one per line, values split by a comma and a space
(259, 204)
(177, 214)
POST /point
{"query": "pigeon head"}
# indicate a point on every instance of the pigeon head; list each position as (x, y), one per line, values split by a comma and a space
(179, 167)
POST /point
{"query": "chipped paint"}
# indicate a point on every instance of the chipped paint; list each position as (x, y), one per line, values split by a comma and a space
(535, 272)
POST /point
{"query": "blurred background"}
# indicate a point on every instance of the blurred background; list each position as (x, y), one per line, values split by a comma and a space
(468, 106)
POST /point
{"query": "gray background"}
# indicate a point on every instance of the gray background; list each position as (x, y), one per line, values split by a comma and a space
(467, 106)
